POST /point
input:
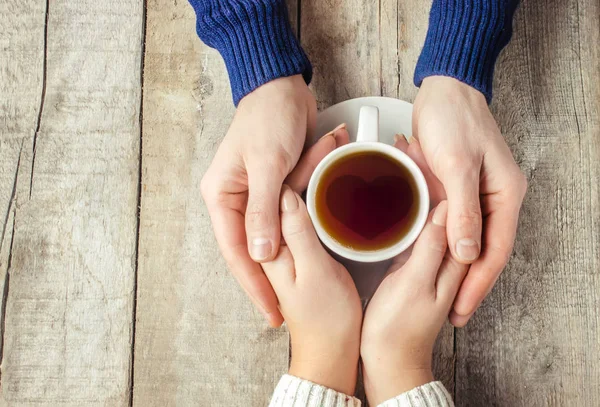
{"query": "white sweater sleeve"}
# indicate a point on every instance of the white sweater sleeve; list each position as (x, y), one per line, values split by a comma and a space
(432, 394)
(292, 391)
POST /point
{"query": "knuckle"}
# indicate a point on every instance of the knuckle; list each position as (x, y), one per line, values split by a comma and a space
(273, 165)
(257, 219)
(207, 187)
(521, 184)
(517, 188)
(283, 161)
(293, 228)
(437, 246)
(470, 215)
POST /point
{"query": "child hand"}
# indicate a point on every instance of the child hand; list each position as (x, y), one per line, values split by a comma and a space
(318, 301)
(407, 312)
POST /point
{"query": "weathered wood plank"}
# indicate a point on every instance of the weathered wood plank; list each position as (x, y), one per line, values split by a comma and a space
(67, 328)
(413, 21)
(339, 36)
(21, 77)
(199, 340)
(534, 342)
(293, 12)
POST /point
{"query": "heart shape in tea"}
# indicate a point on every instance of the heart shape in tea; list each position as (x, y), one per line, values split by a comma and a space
(372, 208)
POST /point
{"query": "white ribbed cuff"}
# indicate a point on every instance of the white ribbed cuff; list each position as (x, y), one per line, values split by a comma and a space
(432, 394)
(292, 391)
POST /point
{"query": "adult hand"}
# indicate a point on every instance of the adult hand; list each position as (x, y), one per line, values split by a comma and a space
(407, 312)
(242, 185)
(319, 301)
(462, 145)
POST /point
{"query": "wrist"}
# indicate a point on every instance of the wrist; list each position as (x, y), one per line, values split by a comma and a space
(382, 383)
(464, 40)
(255, 40)
(454, 88)
(335, 368)
(390, 369)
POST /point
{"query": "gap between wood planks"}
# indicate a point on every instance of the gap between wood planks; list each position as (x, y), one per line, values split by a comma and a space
(42, 97)
(10, 209)
(5, 296)
(139, 206)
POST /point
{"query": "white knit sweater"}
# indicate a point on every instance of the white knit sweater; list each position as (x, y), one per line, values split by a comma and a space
(292, 391)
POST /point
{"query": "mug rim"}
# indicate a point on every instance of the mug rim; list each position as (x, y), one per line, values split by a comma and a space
(369, 256)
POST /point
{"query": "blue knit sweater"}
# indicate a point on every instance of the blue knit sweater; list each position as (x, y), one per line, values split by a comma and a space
(258, 45)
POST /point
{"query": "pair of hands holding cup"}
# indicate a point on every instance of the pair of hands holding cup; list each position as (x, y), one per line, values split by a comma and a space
(464, 159)
(323, 311)
(460, 142)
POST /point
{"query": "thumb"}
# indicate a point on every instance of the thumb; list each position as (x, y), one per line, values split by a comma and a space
(262, 212)
(464, 212)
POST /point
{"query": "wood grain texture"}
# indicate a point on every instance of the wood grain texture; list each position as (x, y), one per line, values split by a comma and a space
(403, 26)
(68, 309)
(340, 36)
(69, 167)
(534, 342)
(199, 340)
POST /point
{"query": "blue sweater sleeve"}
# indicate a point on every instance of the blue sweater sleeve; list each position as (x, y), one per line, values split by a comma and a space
(255, 39)
(464, 40)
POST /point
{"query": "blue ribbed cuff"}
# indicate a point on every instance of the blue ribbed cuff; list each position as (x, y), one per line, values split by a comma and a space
(255, 39)
(464, 40)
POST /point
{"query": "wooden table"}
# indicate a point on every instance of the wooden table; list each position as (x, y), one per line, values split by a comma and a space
(114, 291)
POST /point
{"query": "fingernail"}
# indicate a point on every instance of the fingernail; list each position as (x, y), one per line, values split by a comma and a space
(411, 139)
(397, 137)
(467, 249)
(332, 132)
(325, 137)
(439, 216)
(261, 249)
(289, 202)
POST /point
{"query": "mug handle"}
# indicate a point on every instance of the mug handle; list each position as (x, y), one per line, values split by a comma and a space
(368, 124)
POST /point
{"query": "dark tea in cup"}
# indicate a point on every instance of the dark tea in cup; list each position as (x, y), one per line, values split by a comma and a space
(367, 200)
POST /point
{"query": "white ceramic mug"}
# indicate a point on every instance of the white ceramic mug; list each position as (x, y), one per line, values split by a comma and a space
(367, 140)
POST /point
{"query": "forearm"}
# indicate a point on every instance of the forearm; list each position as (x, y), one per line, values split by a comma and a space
(335, 373)
(255, 39)
(464, 40)
(382, 383)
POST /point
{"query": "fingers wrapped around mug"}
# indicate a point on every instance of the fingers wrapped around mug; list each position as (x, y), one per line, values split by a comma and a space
(429, 250)
(302, 246)
(430, 262)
